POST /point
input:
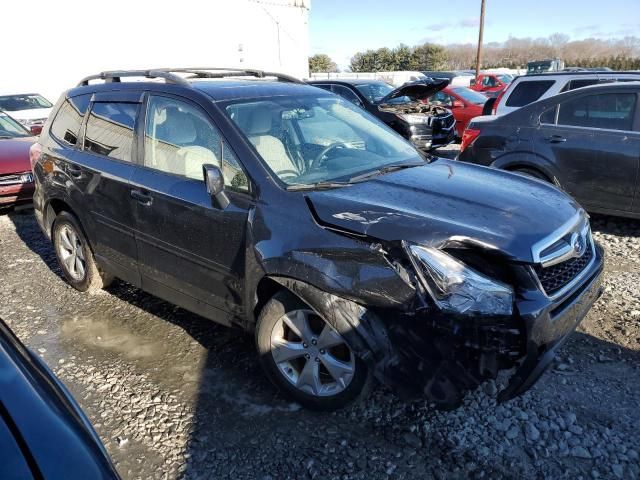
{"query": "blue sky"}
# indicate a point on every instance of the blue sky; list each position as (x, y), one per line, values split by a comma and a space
(342, 27)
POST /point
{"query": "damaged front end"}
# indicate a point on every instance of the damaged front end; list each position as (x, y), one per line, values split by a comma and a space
(427, 125)
(427, 348)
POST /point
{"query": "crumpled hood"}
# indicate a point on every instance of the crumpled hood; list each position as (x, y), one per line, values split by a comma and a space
(14, 155)
(433, 203)
(416, 90)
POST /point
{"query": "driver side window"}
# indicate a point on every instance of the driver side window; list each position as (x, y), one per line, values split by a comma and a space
(180, 139)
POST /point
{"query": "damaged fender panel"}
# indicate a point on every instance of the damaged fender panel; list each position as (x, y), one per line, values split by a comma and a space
(352, 268)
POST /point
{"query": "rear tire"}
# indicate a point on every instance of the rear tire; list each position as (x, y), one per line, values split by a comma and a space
(75, 256)
(314, 366)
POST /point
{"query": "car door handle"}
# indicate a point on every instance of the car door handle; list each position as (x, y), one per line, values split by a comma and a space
(142, 198)
(556, 139)
(74, 171)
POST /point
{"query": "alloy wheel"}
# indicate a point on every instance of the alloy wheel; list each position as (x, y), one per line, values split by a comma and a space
(311, 355)
(71, 251)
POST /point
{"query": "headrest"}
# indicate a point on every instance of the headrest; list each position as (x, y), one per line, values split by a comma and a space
(259, 121)
(179, 127)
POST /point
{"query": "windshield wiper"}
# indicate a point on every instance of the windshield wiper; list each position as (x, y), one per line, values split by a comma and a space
(383, 170)
(296, 187)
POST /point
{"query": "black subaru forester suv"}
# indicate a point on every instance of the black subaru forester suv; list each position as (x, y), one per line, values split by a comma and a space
(273, 206)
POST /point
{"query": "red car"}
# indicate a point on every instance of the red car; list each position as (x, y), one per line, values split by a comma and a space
(491, 83)
(16, 179)
(463, 102)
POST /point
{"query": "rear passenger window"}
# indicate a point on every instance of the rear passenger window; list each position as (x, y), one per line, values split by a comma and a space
(66, 126)
(527, 92)
(549, 116)
(180, 139)
(614, 111)
(110, 129)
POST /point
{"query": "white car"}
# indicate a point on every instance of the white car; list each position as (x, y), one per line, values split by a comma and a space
(531, 88)
(30, 109)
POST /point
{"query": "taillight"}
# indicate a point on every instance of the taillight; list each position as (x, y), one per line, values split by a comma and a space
(494, 109)
(468, 137)
(34, 154)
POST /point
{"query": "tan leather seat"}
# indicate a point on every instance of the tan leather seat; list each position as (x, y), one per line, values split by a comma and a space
(271, 149)
(193, 158)
(180, 156)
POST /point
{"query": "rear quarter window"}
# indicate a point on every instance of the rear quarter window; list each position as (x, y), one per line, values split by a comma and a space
(527, 92)
(110, 129)
(66, 125)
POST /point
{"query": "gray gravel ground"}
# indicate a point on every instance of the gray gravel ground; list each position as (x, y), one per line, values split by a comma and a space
(175, 396)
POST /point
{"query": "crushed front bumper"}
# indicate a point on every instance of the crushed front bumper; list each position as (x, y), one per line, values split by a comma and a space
(549, 328)
(421, 352)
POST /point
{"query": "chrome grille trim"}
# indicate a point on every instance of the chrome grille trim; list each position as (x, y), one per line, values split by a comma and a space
(576, 280)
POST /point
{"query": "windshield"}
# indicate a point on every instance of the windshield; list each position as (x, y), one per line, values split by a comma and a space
(10, 128)
(14, 103)
(505, 78)
(469, 95)
(305, 140)
(376, 91)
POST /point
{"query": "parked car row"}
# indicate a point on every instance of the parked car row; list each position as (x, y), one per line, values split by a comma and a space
(30, 109)
(427, 125)
(585, 141)
(16, 179)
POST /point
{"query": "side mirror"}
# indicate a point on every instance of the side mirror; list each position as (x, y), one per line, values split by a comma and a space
(457, 104)
(215, 186)
(472, 82)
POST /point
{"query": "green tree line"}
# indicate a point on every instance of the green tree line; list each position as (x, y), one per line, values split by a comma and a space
(617, 54)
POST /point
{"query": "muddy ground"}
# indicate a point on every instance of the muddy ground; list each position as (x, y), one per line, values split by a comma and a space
(173, 395)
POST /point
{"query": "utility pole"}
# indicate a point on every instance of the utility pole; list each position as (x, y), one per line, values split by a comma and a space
(479, 54)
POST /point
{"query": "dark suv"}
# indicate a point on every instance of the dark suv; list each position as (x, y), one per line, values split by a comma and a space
(586, 141)
(277, 207)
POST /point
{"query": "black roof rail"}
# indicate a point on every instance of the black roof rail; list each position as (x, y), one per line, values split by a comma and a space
(114, 76)
(221, 72)
(169, 74)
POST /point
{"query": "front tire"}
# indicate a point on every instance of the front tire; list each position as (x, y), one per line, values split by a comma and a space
(306, 358)
(75, 256)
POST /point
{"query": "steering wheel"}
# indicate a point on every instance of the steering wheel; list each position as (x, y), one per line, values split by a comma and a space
(318, 161)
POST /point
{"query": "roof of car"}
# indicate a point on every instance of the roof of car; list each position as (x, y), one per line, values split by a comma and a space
(579, 74)
(217, 90)
(349, 81)
(220, 90)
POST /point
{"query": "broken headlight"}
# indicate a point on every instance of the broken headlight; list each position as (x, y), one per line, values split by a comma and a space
(456, 288)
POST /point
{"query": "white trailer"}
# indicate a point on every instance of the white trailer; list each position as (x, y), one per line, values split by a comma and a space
(58, 43)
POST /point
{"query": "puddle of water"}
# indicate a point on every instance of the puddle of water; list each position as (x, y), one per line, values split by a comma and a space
(102, 334)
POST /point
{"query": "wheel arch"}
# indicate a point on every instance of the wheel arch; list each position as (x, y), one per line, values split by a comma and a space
(528, 161)
(52, 209)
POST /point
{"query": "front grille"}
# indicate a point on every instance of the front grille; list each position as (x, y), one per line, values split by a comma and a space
(10, 179)
(555, 277)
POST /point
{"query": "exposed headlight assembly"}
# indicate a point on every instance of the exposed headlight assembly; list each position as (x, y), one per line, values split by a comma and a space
(415, 118)
(455, 287)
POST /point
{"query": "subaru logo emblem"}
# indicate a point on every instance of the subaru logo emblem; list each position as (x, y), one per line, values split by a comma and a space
(579, 245)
